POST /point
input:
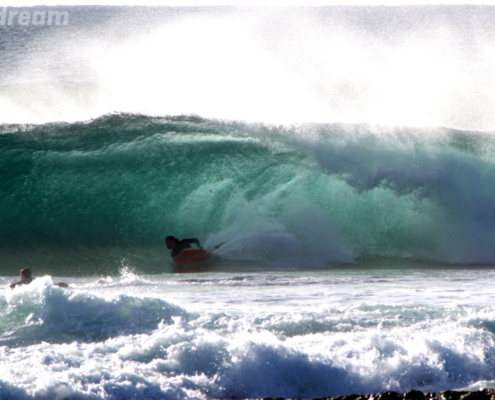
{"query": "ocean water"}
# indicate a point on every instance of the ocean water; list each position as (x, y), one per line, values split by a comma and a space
(340, 161)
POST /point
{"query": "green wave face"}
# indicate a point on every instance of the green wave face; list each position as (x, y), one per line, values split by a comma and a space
(305, 195)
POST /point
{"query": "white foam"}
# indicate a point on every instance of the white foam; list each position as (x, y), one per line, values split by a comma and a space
(254, 335)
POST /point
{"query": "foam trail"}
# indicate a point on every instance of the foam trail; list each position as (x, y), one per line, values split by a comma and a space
(304, 239)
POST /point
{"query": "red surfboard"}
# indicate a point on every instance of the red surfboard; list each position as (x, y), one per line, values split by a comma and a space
(189, 256)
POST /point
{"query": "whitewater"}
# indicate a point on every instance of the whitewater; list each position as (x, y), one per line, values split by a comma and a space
(338, 161)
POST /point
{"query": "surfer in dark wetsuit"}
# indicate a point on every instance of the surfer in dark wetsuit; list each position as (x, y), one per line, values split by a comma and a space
(26, 278)
(178, 245)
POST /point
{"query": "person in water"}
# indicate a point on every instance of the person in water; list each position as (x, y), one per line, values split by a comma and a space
(26, 278)
(178, 245)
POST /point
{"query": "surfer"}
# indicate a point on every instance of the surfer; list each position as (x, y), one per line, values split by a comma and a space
(27, 278)
(178, 245)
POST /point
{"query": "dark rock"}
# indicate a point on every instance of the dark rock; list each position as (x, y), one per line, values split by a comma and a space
(389, 396)
(450, 395)
(483, 395)
(348, 397)
(486, 394)
(414, 395)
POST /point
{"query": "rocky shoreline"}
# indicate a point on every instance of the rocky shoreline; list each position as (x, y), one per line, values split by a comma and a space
(486, 394)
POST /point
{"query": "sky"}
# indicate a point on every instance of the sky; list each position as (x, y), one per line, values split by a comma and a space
(30, 3)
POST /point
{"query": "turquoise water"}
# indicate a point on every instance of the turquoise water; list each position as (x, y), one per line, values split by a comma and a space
(92, 194)
(340, 161)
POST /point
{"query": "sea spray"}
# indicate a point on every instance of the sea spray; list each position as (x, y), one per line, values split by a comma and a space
(425, 65)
